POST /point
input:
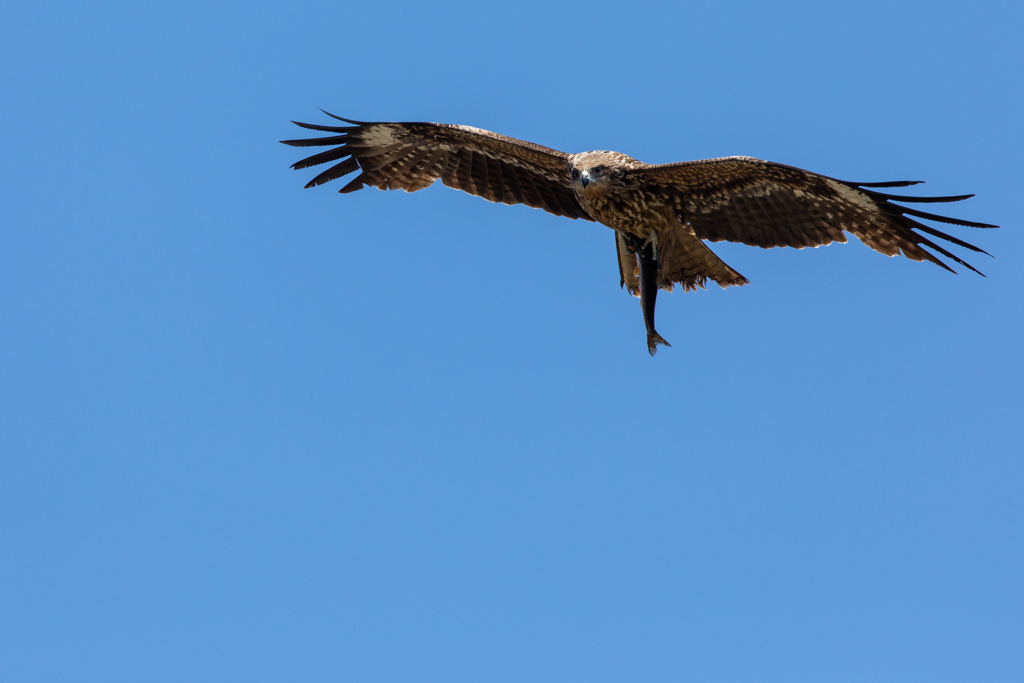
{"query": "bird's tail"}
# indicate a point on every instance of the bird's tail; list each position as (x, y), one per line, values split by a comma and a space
(653, 339)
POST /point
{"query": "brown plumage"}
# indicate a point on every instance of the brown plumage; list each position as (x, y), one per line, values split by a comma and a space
(660, 213)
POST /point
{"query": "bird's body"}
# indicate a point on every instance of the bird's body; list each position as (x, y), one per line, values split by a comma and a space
(660, 213)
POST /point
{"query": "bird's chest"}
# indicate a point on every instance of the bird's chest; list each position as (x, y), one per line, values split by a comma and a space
(635, 211)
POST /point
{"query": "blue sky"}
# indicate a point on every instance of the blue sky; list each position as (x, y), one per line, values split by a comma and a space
(251, 432)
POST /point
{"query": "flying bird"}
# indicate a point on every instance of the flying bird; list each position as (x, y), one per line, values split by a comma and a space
(661, 213)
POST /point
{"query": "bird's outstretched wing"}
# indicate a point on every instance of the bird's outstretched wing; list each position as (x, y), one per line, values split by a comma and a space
(411, 156)
(764, 204)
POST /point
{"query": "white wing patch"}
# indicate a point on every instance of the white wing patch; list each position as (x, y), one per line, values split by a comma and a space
(855, 197)
(381, 135)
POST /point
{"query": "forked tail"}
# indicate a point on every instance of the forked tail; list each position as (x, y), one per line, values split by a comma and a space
(653, 339)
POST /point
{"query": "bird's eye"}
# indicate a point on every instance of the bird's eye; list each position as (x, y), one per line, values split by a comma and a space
(599, 170)
(575, 173)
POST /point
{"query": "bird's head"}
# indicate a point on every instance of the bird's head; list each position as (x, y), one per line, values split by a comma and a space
(599, 172)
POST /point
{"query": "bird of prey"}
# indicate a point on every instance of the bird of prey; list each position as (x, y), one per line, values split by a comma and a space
(661, 213)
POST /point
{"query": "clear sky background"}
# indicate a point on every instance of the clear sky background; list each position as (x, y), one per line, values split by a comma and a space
(251, 432)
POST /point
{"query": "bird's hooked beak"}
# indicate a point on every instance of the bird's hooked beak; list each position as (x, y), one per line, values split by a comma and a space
(585, 178)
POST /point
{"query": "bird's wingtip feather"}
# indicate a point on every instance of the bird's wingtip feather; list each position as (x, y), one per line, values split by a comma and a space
(339, 118)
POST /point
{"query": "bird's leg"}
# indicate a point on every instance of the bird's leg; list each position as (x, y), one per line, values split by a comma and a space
(647, 261)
